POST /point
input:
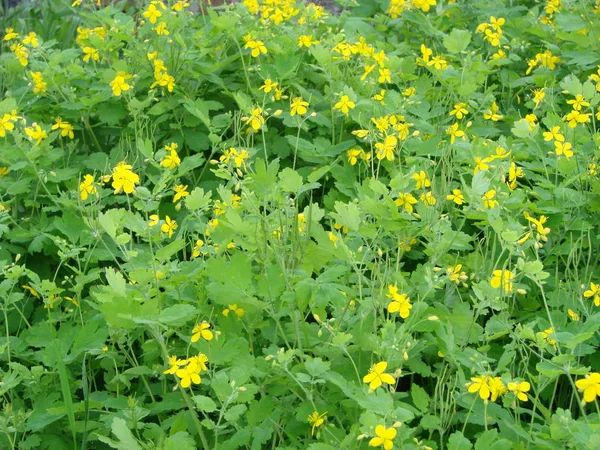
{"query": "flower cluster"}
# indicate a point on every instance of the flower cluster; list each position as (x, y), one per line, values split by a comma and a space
(187, 370)
(400, 302)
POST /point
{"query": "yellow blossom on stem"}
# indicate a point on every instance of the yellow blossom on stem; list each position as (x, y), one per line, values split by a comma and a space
(188, 375)
(421, 179)
(316, 420)
(377, 376)
(502, 278)
(594, 293)
(385, 149)
(66, 129)
(344, 105)
(489, 199)
(306, 41)
(299, 106)
(201, 330)
(171, 160)
(384, 436)
(554, 134)
(36, 133)
(457, 196)
(124, 179)
(267, 86)
(460, 110)
(174, 364)
(6, 124)
(87, 187)
(406, 200)
(180, 192)
(234, 309)
(519, 389)
(454, 132)
(119, 84)
(169, 226)
(590, 386)
(31, 39)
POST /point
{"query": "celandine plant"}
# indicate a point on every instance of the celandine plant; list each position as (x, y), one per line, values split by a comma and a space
(266, 226)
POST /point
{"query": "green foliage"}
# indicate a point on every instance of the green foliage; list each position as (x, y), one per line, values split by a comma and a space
(268, 226)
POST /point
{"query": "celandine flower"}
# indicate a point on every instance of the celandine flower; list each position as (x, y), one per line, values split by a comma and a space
(384, 437)
(169, 226)
(590, 386)
(594, 293)
(87, 187)
(519, 389)
(124, 179)
(316, 420)
(377, 376)
(202, 330)
(502, 278)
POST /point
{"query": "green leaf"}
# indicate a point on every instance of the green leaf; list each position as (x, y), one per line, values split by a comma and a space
(419, 397)
(457, 40)
(235, 412)
(116, 281)
(197, 199)
(164, 254)
(290, 180)
(458, 441)
(126, 440)
(177, 315)
(316, 366)
(521, 129)
(204, 403)
(490, 441)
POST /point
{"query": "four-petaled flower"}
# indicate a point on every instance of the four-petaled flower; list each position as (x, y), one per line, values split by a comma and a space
(87, 187)
(344, 105)
(202, 330)
(384, 437)
(593, 292)
(377, 376)
(180, 192)
(519, 389)
(299, 106)
(316, 420)
(590, 386)
(169, 226)
(502, 278)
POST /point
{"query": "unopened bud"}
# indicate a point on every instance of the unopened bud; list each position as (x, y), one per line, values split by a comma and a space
(433, 318)
(397, 424)
(278, 112)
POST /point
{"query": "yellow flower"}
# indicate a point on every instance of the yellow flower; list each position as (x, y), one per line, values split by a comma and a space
(6, 124)
(482, 385)
(171, 160)
(460, 110)
(492, 113)
(306, 41)
(316, 420)
(401, 304)
(202, 330)
(546, 336)
(428, 198)
(426, 53)
(353, 155)
(590, 386)
(31, 290)
(333, 238)
(380, 97)
(66, 129)
(169, 226)
(124, 179)
(377, 376)
(299, 106)
(256, 119)
(538, 96)
(593, 291)
(39, 85)
(154, 219)
(119, 84)
(235, 309)
(385, 149)
(257, 47)
(519, 389)
(573, 315)
(406, 200)
(90, 53)
(35, 132)
(87, 187)
(489, 199)
(31, 39)
(174, 364)
(425, 5)
(454, 132)
(502, 278)
(385, 436)
(421, 179)
(578, 102)
(196, 250)
(163, 79)
(268, 86)
(180, 192)
(454, 274)
(555, 134)
(514, 172)
(385, 76)
(438, 63)
(161, 29)
(4, 171)
(531, 119)
(188, 375)
(565, 149)
(10, 34)
(457, 196)
(344, 105)
(576, 117)
(152, 13)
